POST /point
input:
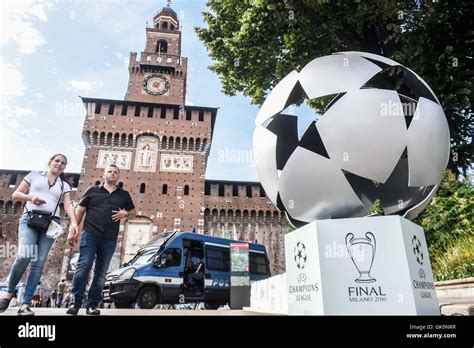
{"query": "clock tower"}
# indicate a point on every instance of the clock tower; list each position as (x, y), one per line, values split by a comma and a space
(159, 76)
(160, 144)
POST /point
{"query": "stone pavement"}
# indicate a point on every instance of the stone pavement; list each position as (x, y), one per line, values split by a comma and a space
(40, 311)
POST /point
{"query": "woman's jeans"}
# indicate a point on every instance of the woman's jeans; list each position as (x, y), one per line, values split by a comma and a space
(32, 246)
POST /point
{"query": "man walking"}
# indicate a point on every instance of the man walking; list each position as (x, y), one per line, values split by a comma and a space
(54, 298)
(61, 286)
(106, 205)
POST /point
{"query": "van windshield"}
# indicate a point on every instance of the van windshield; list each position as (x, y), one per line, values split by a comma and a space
(158, 240)
(143, 258)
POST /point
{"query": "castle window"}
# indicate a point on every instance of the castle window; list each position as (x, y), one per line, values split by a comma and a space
(150, 112)
(97, 182)
(249, 191)
(201, 115)
(163, 112)
(137, 110)
(176, 114)
(97, 108)
(235, 190)
(172, 27)
(207, 189)
(111, 109)
(164, 25)
(221, 190)
(124, 110)
(186, 190)
(12, 181)
(162, 47)
(165, 189)
(262, 191)
(188, 115)
(142, 188)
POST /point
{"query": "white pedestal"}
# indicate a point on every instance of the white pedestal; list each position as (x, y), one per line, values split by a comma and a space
(360, 266)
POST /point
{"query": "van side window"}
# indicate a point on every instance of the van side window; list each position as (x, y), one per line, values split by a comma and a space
(217, 259)
(171, 257)
(258, 264)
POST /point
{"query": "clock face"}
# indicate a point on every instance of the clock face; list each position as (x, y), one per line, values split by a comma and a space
(156, 84)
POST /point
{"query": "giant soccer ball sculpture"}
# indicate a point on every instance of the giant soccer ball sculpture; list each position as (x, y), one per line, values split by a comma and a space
(367, 145)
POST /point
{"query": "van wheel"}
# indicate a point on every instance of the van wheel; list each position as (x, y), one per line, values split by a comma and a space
(211, 305)
(122, 304)
(147, 298)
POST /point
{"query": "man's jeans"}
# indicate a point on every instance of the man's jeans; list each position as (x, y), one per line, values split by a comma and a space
(92, 247)
(32, 246)
(59, 300)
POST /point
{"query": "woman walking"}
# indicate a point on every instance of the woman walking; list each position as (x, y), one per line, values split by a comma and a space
(42, 191)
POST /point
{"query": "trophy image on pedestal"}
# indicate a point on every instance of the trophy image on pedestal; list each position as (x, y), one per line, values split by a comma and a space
(362, 251)
(382, 137)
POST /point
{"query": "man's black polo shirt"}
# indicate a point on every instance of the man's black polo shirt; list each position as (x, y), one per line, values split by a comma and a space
(100, 203)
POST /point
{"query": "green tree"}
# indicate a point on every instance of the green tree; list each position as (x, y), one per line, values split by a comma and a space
(255, 43)
(448, 222)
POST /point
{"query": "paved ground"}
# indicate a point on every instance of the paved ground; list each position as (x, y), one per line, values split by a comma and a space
(140, 312)
(449, 306)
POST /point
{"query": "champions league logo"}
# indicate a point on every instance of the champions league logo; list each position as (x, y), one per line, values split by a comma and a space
(417, 250)
(300, 255)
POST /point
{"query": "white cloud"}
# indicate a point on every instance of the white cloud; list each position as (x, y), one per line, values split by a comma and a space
(125, 60)
(17, 19)
(22, 112)
(38, 96)
(11, 123)
(11, 114)
(122, 58)
(124, 32)
(106, 83)
(77, 85)
(11, 81)
(11, 86)
(31, 131)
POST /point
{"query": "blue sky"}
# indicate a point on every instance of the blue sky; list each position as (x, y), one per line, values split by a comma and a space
(52, 52)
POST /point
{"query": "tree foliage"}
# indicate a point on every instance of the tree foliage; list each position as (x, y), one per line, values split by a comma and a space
(255, 43)
(448, 222)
